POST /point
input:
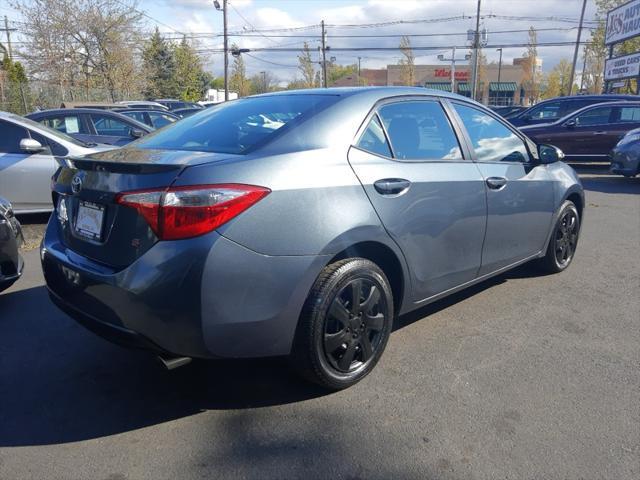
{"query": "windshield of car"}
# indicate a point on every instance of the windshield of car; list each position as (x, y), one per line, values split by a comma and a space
(237, 126)
(55, 134)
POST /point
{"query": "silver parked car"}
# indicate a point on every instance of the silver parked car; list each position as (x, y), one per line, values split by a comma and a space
(220, 237)
(27, 161)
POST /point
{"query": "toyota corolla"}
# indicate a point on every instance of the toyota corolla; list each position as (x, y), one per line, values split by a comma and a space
(218, 237)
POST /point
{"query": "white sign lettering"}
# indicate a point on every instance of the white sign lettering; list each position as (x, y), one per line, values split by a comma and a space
(623, 22)
(622, 67)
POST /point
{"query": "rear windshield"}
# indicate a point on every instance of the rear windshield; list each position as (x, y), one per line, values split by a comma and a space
(237, 126)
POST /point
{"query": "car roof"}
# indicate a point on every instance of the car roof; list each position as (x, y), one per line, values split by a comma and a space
(372, 92)
(63, 111)
(615, 103)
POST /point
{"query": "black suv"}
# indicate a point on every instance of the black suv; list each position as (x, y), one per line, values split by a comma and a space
(555, 108)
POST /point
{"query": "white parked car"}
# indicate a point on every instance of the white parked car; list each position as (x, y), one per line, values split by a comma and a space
(27, 161)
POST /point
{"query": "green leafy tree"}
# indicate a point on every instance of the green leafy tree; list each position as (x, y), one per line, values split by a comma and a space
(337, 72)
(160, 68)
(188, 72)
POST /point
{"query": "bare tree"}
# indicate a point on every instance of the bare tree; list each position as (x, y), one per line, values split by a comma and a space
(306, 67)
(408, 69)
(530, 66)
(83, 43)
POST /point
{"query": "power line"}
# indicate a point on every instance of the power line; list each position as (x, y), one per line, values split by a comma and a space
(250, 24)
(268, 61)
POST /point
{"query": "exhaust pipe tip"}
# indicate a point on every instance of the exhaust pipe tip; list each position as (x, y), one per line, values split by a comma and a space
(171, 363)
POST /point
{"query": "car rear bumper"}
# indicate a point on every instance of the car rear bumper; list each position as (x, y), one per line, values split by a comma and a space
(205, 297)
(11, 263)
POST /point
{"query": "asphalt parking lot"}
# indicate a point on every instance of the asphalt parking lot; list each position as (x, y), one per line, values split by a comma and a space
(523, 377)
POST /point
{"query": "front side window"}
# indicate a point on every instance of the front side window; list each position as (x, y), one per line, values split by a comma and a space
(373, 139)
(594, 116)
(420, 130)
(106, 125)
(10, 136)
(492, 141)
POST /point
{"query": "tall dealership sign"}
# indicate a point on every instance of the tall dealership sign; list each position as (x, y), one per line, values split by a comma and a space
(623, 23)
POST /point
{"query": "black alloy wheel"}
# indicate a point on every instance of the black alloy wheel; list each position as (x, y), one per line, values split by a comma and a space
(563, 241)
(344, 325)
(354, 325)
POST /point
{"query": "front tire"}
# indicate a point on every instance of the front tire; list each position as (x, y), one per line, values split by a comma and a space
(345, 324)
(563, 241)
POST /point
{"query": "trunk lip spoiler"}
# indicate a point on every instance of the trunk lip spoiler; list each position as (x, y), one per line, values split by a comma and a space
(93, 164)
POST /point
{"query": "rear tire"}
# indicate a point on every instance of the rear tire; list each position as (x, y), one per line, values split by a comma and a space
(564, 240)
(338, 340)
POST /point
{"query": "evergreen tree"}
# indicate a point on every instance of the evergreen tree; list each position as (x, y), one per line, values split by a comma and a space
(15, 86)
(189, 73)
(160, 68)
(238, 81)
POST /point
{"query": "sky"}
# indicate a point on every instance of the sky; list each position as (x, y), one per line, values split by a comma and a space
(445, 22)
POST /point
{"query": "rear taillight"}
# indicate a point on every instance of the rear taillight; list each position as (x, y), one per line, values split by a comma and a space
(184, 212)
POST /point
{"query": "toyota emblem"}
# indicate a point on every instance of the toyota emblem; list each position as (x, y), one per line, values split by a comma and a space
(76, 184)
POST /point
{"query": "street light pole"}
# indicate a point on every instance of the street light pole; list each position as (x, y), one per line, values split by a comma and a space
(499, 63)
(476, 47)
(324, 55)
(575, 52)
(216, 4)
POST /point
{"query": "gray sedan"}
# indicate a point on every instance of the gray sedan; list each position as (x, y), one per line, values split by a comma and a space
(27, 161)
(220, 237)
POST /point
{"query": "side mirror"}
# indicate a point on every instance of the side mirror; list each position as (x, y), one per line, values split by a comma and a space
(549, 154)
(570, 124)
(137, 133)
(30, 145)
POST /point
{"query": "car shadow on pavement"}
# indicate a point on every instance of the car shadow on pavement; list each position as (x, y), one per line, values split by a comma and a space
(610, 184)
(60, 383)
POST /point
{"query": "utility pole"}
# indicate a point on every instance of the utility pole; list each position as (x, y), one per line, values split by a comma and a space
(359, 58)
(7, 30)
(226, 51)
(264, 81)
(476, 47)
(216, 4)
(499, 64)
(575, 52)
(324, 57)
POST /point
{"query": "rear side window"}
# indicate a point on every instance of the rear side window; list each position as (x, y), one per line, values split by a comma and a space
(159, 119)
(492, 141)
(10, 136)
(629, 114)
(420, 130)
(139, 116)
(231, 127)
(68, 124)
(549, 111)
(373, 139)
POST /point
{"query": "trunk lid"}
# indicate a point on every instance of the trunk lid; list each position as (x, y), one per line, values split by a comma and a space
(84, 194)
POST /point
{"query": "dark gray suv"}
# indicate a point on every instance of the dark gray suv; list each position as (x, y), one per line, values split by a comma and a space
(223, 236)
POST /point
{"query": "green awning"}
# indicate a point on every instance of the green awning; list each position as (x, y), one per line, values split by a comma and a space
(444, 86)
(464, 87)
(503, 86)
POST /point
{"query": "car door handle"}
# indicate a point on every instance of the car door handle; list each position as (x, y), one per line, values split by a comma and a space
(496, 183)
(599, 133)
(391, 186)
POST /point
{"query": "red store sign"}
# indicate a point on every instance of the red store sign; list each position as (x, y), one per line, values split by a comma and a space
(446, 73)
